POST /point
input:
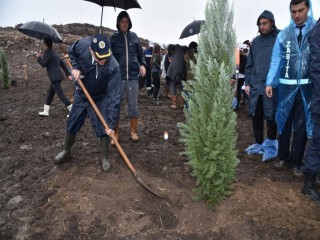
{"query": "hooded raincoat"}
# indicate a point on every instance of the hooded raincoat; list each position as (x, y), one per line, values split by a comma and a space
(127, 50)
(257, 67)
(289, 72)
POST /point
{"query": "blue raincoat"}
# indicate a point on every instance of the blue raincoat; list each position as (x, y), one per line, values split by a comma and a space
(289, 72)
(103, 84)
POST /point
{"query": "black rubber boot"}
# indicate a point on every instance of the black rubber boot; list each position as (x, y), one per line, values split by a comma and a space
(104, 145)
(309, 187)
(65, 154)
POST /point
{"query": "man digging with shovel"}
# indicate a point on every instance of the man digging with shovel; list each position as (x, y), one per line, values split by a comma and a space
(100, 73)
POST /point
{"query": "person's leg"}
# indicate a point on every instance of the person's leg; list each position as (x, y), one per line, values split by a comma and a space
(132, 100)
(299, 139)
(75, 121)
(271, 129)
(148, 81)
(168, 95)
(258, 122)
(284, 143)
(156, 84)
(239, 90)
(311, 166)
(58, 89)
(173, 93)
(46, 107)
(50, 94)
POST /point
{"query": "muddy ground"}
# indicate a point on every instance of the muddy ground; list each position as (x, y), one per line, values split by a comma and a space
(77, 200)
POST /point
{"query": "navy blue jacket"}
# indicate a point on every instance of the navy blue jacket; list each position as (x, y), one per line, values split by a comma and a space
(127, 50)
(314, 41)
(102, 82)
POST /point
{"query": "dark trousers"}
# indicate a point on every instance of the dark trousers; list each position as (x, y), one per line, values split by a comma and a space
(258, 124)
(296, 121)
(156, 84)
(239, 90)
(55, 88)
(312, 158)
(148, 77)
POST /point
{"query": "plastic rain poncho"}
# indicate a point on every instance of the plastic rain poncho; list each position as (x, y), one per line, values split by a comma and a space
(290, 65)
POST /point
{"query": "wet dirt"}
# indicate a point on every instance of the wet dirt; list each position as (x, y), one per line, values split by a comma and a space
(77, 200)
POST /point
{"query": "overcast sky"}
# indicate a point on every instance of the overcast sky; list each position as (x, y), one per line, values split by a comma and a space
(159, 20)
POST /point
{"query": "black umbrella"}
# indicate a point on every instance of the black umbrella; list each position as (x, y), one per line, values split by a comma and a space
(40, 31)
(192, 29)
(124, 4)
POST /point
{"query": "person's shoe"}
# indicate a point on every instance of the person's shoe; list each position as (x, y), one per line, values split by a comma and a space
(66, 152)
(45, 112)
(69, 107)
(280, 165)
(309, 188)
(156, 101)
(116, 133)
(133, 129)
(255, 148)
(318, 180)
(297, 172)
(104, 146)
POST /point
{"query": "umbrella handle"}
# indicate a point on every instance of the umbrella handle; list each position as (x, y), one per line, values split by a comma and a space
(97, 111)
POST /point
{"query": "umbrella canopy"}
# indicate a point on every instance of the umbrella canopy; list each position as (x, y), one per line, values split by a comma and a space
(40, 31)
(123, 4)
(192, 29)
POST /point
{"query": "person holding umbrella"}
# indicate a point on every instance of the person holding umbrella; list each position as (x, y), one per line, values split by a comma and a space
(127, 50)
(51, 60)
(92, 61)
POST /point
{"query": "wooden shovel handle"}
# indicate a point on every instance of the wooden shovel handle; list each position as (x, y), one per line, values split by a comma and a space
(97, 111)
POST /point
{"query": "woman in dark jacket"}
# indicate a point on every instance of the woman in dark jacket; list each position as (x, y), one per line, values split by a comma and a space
(52, 61)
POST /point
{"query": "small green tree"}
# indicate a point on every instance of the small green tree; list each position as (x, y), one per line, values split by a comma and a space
(5, 69)
(209, 132)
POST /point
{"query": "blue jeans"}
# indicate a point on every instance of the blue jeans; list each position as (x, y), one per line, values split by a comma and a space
(129, 91)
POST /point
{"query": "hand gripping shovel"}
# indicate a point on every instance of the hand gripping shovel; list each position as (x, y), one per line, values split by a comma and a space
(124, 156)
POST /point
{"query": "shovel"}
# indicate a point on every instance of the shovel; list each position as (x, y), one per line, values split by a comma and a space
(124, 156)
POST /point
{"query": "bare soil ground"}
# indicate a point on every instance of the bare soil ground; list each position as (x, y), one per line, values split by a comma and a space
(77, 200)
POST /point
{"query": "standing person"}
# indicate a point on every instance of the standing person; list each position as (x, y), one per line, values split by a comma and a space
(167, 61)
(127, 50)
(289, 71)
(189, 57)
(311, 166)
(176, 74)
(100, 73)
(51, 60)
(241, 75)
(155, 63)
(260, 106)
(148, 55)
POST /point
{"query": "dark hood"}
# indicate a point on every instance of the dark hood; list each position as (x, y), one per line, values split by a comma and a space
(122, 15)
(268, 15)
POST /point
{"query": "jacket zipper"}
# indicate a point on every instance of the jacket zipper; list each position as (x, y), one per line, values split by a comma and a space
(127, 56)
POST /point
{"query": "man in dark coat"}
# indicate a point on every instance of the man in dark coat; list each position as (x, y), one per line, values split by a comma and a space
(312, 158)
(260, 106)
(52, 61)
(289, 73)
(92, 61)
(127, 50)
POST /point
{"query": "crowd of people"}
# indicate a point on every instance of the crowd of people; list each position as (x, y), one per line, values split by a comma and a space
(282, 81)
(277, 80)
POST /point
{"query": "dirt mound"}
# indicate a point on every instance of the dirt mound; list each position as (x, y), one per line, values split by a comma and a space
(77, 200)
